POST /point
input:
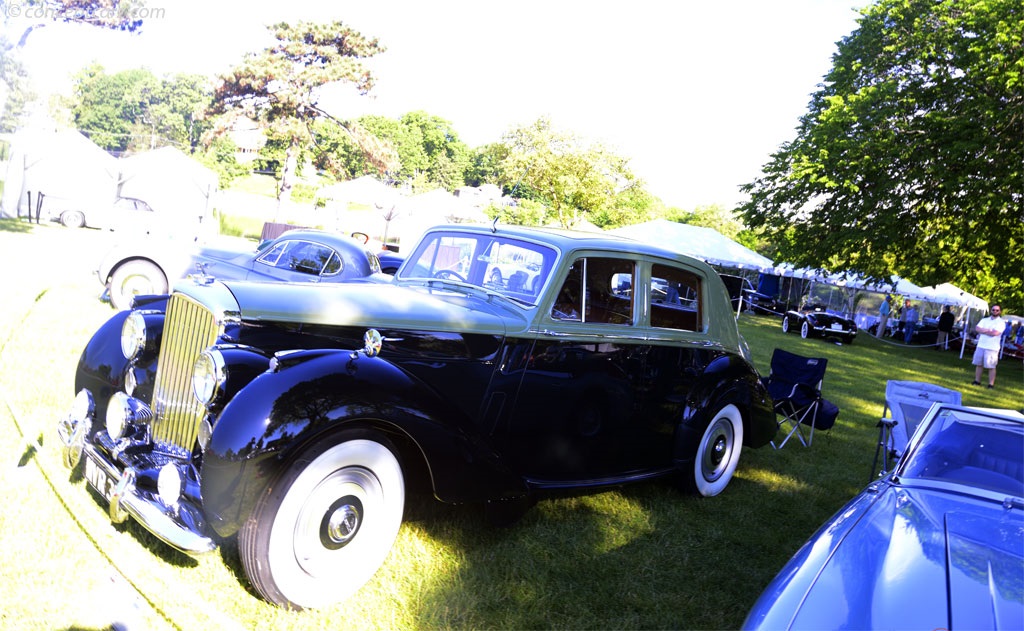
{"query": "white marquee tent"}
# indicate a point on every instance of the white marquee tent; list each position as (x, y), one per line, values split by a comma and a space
(706, 244)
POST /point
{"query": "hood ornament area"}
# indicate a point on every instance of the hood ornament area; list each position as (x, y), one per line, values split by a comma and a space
(372, 342)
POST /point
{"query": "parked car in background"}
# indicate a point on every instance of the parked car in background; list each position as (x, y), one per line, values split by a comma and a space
(813, 320)
(933, 544)
(753, 300)
(123, 213)
(296, 416)
(151, 266)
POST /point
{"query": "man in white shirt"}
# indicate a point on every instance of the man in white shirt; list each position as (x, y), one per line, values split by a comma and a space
(986, 354)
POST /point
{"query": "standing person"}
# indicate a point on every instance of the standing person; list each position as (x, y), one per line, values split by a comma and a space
(883, 316)
(945, 328)
(986, 354)
(909, 321)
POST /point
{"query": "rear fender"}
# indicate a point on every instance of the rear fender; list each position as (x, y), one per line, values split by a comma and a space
(726, 380)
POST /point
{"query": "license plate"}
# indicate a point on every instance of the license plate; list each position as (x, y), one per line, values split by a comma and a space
(98, 478)
(837, 327)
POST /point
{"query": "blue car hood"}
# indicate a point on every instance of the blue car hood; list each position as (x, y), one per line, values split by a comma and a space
(366, 303)
(910, 558)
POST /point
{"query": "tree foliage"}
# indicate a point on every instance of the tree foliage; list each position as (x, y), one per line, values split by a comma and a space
(575, 180)
(909, 159)
(279, 87)
(134, 110)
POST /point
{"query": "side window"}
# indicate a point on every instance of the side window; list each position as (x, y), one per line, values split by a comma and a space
(676, 299)
(597, 290)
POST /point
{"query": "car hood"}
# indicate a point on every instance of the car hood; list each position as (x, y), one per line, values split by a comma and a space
(910, 559)
(371, 303)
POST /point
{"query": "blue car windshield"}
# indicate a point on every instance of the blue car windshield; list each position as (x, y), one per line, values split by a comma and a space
(512, 267)
(970, 448)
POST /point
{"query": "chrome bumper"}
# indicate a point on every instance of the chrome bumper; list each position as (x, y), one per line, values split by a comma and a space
(118, 488)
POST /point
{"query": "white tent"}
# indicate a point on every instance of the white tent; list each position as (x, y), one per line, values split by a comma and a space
(702, 243)
(959, 297)
(69, 170)
(169, 181)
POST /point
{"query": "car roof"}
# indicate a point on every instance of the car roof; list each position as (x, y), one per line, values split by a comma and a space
(568, 240)
(333, 239)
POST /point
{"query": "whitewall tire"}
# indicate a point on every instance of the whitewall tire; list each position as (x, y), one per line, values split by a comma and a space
(322, 531)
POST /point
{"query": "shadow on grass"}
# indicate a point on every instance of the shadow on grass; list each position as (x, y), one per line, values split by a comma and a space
(18, 226)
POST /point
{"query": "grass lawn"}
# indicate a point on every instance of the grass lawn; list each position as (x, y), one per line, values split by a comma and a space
(640, 557)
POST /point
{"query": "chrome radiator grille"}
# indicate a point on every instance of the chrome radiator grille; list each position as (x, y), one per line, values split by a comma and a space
(189, 328)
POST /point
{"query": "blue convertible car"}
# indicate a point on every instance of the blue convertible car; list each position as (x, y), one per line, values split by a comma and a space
(937, 543)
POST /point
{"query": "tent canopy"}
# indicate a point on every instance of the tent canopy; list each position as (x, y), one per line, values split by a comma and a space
(169, 181)
(706, 244)
(66, 167)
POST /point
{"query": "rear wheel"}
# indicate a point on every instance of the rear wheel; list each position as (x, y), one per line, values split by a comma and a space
(318, 534)
(135, 278)
(718, 453)
(72, 219)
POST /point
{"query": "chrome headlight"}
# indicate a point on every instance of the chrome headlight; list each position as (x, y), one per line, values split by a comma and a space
(133, 335)
(208, 376)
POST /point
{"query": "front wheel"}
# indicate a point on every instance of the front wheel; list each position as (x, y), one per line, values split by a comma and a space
(322, 531)
(718, 453)
(805, 330)
(785, 324)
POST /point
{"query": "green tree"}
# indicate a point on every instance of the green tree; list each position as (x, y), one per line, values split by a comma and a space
(484, 166)
(575, 180)
(909, 159)
(134, 110)
(279, 87)
(14, 86)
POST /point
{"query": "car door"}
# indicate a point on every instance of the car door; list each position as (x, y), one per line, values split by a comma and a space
(580, 410)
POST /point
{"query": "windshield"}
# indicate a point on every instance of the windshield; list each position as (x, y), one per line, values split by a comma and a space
(517, 269)
(973, 448)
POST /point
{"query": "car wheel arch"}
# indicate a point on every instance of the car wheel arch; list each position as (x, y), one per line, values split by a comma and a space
(424, 429)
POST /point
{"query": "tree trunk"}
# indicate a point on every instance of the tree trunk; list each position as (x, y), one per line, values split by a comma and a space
(288, 174)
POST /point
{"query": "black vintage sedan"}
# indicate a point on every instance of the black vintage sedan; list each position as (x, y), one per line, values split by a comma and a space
(151, 265)
(813, 320)
(295, 416)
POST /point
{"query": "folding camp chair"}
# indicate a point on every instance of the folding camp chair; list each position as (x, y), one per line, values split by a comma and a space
(906, 403)
(795, 386)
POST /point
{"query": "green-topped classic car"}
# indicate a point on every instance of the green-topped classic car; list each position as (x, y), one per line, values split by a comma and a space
(296, 416)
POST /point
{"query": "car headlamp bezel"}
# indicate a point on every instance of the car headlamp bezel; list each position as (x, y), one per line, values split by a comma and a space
(133, 335)
(208, 376)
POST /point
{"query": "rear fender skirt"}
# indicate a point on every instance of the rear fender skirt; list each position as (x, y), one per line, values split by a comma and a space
(278, 415)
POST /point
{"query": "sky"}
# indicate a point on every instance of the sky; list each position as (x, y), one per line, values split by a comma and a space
(697, 95)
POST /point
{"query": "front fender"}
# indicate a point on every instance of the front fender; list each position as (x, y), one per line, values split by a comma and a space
(308, 397)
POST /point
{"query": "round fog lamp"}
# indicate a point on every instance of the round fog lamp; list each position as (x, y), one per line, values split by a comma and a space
(119, 413)
(168, 484)
(83, 406)
(133, 335)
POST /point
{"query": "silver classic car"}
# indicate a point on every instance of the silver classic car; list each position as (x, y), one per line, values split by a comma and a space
(295, 416)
